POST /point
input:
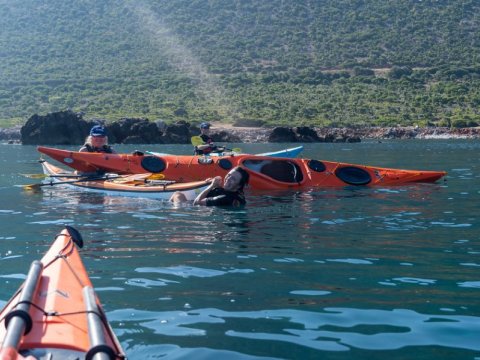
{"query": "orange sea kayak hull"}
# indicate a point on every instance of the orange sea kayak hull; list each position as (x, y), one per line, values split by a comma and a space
(265, 172)
(60, 326)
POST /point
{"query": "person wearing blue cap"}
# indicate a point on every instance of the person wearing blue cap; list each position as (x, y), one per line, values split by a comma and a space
(97, 141)
(208, 146)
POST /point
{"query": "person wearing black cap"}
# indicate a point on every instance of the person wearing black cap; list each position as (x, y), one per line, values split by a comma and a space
(97, 141)
(208, 146)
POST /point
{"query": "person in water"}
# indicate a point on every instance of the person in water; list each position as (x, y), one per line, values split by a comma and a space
(208, 146)
(230, 194)
(97, 141)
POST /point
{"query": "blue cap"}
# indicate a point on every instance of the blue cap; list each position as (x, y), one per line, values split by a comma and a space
(98, 131)
(204, 125)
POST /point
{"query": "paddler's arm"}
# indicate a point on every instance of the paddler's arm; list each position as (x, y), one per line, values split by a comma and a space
(203, 147)
(201, 199)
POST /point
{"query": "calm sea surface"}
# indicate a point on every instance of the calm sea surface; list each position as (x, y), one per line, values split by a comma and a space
(346, 273)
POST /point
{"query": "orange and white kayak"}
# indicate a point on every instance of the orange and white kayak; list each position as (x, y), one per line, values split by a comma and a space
(55, 314)
(265, 172)
(138, 185)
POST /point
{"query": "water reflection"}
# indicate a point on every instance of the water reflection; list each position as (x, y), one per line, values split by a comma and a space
(300, 275)
(332, 329)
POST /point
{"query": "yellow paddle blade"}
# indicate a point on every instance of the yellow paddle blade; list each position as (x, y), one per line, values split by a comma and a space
(237, 150)
(35, 176)
(156, 176)
(196, 140)
(31, 187)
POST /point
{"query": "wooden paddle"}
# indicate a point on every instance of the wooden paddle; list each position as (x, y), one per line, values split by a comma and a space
(197, 141)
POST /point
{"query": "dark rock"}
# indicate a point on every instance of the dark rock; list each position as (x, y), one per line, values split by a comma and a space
(162, 125)
(60, 128)
(354, 139)
(121, 129)
(178, 133)
(147, 131)
(134, 131)
(225, 137)
(339, 139)
(282, 134)
(306, 134)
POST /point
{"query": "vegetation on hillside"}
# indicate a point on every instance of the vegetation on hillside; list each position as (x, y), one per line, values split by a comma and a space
(342, 62)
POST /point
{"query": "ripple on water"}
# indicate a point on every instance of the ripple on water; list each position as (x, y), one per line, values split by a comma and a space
(53, 222)
(418, 281)
(470, 284)
(333, 329)
(10, 257)
(352, 261)
(14, 276)
(189, 271)
(310, 292)
(147, 283)
(173, 352)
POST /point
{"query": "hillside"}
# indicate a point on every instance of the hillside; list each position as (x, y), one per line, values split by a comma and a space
(284, 62)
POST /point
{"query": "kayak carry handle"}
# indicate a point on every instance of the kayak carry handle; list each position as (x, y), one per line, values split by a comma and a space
(75, 235)
(19, 322)
(99, 349)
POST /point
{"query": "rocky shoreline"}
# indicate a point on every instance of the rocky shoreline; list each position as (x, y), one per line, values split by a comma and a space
(68, 128)
(261, 135)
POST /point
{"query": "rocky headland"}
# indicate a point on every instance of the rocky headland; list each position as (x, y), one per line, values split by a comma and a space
(69, 128)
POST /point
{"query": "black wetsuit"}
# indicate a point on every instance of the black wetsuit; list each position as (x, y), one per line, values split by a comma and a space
(207, 140)
(222, 197)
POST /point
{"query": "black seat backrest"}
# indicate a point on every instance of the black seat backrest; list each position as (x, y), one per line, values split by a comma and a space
(282, 170)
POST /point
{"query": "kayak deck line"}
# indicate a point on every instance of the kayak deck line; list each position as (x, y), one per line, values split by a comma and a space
(57, 298)
(284, 153)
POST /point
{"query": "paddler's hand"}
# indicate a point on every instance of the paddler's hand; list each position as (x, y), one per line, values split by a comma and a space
(216, 182)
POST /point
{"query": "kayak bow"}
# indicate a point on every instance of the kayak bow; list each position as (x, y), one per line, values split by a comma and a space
(55, 314)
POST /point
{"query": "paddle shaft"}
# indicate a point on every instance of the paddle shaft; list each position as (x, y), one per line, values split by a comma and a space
(43, 176)
(51, 183)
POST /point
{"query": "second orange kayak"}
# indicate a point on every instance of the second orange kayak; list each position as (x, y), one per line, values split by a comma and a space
(265, 172)
(55, 314)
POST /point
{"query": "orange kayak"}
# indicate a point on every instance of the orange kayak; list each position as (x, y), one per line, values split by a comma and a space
(265, 172)
(55, 314)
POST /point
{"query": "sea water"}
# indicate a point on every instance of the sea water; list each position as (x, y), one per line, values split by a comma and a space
(330, 273)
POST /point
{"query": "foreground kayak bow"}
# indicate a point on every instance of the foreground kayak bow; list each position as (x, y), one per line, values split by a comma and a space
(55, 314)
